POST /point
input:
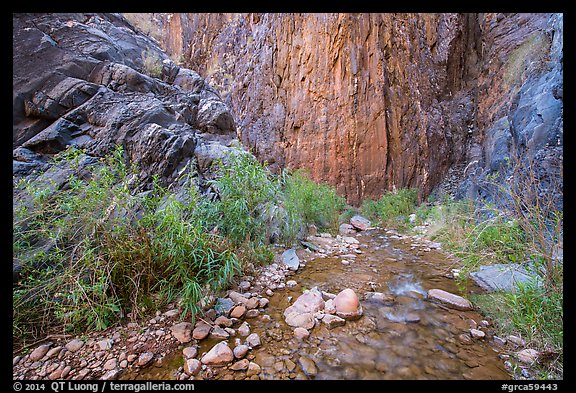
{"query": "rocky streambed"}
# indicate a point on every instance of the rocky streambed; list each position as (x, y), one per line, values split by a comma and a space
(372, 304)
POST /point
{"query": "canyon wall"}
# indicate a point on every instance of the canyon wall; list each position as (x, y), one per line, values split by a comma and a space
(375, 102)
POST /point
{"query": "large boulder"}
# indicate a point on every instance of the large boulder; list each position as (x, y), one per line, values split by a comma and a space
(360, 223)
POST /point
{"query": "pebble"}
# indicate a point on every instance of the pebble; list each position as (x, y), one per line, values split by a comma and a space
(39, 352)
(190, 352)
(253, 369)
(252, 313)
(301, 333)
(308, 366)
(253, 340)
(192, 366)
(182, 332)
(240, 351)
(269, 292)
(110, 364)
(145, 358)
(477, 334)
(240, 365)
(105, 344)
(238, 312)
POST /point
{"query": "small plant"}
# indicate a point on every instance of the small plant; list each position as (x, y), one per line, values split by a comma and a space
(151, 64)
(392, 209)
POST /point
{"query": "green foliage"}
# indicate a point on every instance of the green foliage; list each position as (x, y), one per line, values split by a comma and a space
(248, 196)
(308, 202)
(104, 261)
(102, 246)
(393, 208)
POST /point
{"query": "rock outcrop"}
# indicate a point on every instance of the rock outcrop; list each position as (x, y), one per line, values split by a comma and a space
(93, 81)
(375, 102)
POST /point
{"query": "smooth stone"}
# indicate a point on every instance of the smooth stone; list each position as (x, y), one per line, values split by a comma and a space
(359, 222)
(348, 305)
(477, 334)
(253, 340)
(244, 329)
(192, 366)
(305, 320)
(223, 321)
(110, 364)
(240, 365)
(219, 354)
(301, 333)
(39, 352)
(253, 369)
(527, 356)
(219, 333)
(450, 299)
(201, 331)
(240, 351)
(252, 313)
(145, 358)
(238, 312)
(252, 303)
(290, 259)
(308, 366)
(190, 352)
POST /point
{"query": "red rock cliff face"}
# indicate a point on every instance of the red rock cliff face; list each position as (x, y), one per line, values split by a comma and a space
(366, 102)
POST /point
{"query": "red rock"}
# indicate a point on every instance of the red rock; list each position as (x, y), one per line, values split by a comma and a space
(450, 299)
(347, 304)
(201, 331)
(219, 354)
(182, 332)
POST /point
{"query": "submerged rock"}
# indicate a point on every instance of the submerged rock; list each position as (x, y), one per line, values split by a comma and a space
(450, 299)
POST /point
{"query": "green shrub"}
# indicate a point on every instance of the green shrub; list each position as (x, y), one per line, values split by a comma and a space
(104, 262)
(392, 208)
(308, 202)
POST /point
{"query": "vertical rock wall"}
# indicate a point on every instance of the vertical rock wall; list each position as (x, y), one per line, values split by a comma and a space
(372, 102)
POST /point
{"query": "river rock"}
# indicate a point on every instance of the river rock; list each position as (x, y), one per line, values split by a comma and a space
(253, 369)
(182, 332)
(309, 302)
(39, 352)
(252, 303)
(223, 305)
(527, 356)
(347, 304)
(332, 321)
(515, 340)
(237, 298)
(192, 366)
(190, 352)
(305, 320)
(346, 229)
(308, 366)
(290, 259)
(201, 331)
(219, 354)
(301, 333)
(240, 365)
(105, 344)
(360, 223)
(145, 358)
(252, 313)
(449, 299)
(253, 340)
(223, 321)
(238, 312)
(477, 334)
(110, 364)
(53, 352)
(219, 333)
(240, 351)
(244, 329)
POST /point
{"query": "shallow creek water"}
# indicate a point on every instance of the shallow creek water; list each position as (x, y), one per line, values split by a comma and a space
(413, 338)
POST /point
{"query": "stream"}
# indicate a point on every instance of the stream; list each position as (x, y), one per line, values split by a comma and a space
(409, 338)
